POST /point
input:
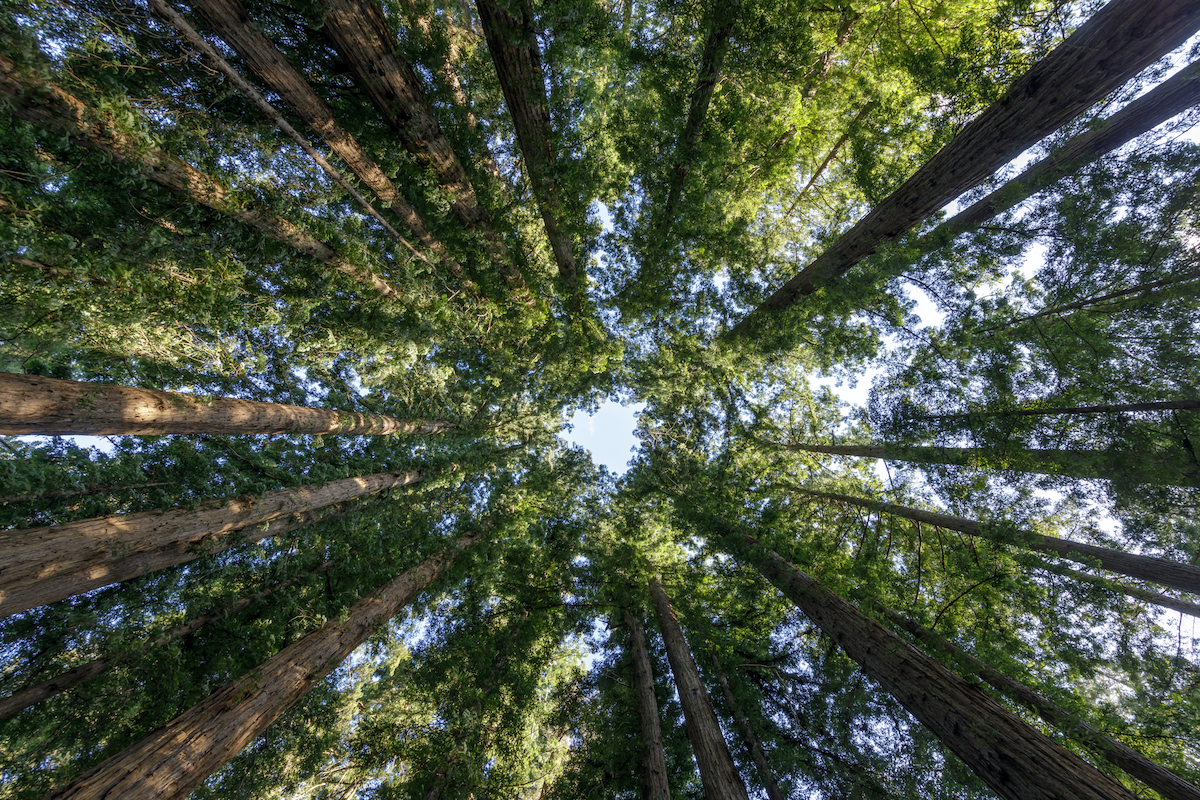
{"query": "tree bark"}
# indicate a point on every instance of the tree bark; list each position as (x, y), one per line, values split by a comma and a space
(653, 760)
(11, 705)
(1157, 598)
(31, 404)
(1164, 405)
(40, 102)
(1083, 464)
(43, 565)
(1183, 577)
(28, 497)
(174, 760)
(513, 45)
(1016, 760)
(1100, 56)
(765, 774)
(1154, 775)
(718, 775)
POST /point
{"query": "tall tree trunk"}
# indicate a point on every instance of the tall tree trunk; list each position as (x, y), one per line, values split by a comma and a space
(174, 760)
(31, 404)
(513, 45)
(1083, 464)
(653, 759)
(718, 775)
(765, 773)
(1154, 775)
(1098, 58)
(1009, 755)
(1157, 598)
(28, 497)
(1183, 577)
(1163, 405)
(43, 565)
(11, 705)
(40, 102)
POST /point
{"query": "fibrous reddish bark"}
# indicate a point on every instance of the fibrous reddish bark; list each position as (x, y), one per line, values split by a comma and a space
(718, 774)
(32, 404)
(171, 762)
(43, 565)
(1110, 48)
(653, 760)
(1184, 577)
(1013, 758)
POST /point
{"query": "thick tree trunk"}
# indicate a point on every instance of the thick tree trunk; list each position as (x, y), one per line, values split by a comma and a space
(1183, 577)
(765, 774)
(1098, 58)
(174, 760)
(1009, 755)
(718, 775)
(11, 705)
(35, 100)
(513, 45)
(653, 760)
(1154, 775)
(1083, 464)
(31, 404)
(42, 565)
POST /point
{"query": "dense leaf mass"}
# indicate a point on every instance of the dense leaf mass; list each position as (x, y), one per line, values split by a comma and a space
(477, 220)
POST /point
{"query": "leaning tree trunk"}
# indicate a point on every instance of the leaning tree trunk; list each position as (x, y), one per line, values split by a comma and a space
(653, 760)
(718, 774)
(1183, 577)
(33, 99)
(82, 673)
(1043, 411)
(1157, 598)
(765, 774)
(1083, 464)
(177, 758)
(31, 404)
(1154, 775)
(42, 565)
(1009, 755)
(1099, 57)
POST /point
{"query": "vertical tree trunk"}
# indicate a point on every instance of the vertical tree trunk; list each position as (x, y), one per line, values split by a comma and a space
(765, 774)
(1010, 756)
(42, 565)
(174, 760)
(718, 775)
(1183, 577)
(1154, 775)
(11, 705)
(1099, 57)
(653, 760)
(31, 404)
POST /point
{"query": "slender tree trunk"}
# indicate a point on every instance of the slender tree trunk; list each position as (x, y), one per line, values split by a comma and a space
(653, 758)
(1183, 577)
(1154, 775)
(31, 404)
(718, 775)
(1164, 405)
(38, 101)
(1009, 755)
(765, 773)
(28, 497)
(177, 758)
(43, 565)
(513, 45)
(1083, 464)
(820, 70)
(1157, 598)
(11, 705)
(832, 154)
(1098, 58)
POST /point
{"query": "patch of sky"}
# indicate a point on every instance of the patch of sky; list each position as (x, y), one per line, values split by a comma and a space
(608, 434)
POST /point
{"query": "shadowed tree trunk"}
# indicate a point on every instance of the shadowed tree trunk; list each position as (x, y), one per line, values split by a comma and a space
(1120, 40)
(82, 673)
(1157, 598)
(1083, 464)
(43, 565)
(85, 490)
(171, 762)
(718, 775)
(31, 404)
(1164, 405)
(37, 101)
(1183, 577)
(653, 760)
(765, 774)
(1009, 755)
(1154, 775)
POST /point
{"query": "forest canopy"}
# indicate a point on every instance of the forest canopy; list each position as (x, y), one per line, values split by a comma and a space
(330, 277)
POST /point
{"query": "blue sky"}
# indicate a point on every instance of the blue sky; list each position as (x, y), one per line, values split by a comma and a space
(607, 434)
